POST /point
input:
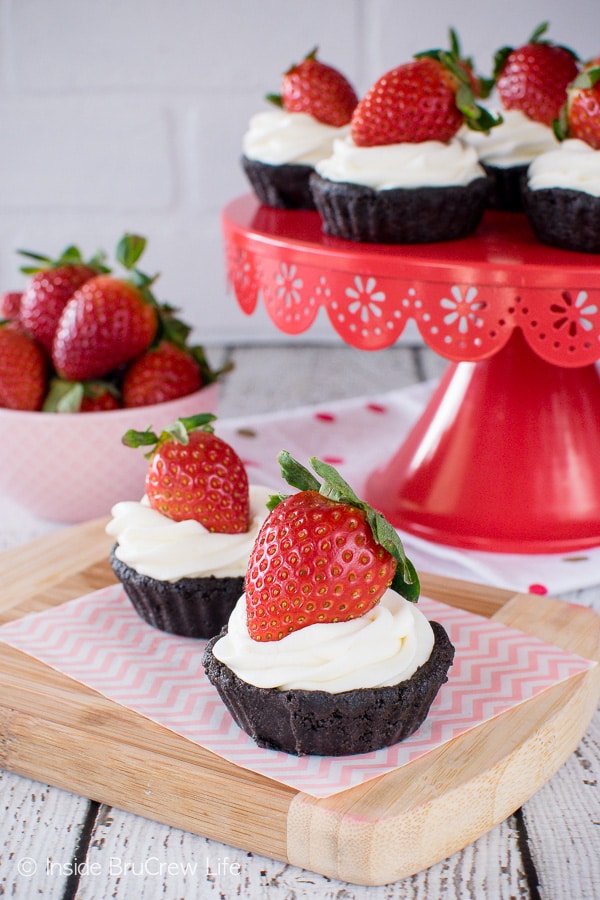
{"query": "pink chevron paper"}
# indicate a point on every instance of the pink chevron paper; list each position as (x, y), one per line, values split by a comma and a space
(100, 641)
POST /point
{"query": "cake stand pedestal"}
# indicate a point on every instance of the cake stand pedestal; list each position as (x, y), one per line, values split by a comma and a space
(506, 455)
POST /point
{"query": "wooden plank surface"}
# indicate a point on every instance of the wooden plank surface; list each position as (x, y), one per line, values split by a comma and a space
(62, 733)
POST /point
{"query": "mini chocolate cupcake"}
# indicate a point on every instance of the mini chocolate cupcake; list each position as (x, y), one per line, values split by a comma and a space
(326, 652)
(283, 143)
(402, 175)
(303, 722)
(561, 197)
(181, 552)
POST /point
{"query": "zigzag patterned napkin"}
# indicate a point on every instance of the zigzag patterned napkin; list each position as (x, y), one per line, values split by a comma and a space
(100, 641)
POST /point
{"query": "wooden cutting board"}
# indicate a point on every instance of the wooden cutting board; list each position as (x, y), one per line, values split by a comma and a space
(57, 731)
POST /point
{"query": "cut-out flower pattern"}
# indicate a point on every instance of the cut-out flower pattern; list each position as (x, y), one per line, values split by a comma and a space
(572, 313)
(288, 284)
(243, 272)
(463, 310)
(365, 300)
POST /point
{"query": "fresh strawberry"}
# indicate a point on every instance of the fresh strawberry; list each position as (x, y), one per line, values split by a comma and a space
(98, 397)
(322, 555)
(22, 370)
(161, 373)
(317, 89)
(10, 304)
(427, 99)
(80, 396)
(53, 283)
(534, 78)
(107, 322)
(193, 474)
(580, 116)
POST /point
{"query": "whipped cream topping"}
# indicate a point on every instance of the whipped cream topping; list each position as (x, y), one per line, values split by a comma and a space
(156, 546)
(426, 164)
(574, 165)
(383, 647)
(515, 142)
(277, 137)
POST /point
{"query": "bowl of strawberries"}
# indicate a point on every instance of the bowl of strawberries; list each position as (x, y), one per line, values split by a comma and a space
(85, 356)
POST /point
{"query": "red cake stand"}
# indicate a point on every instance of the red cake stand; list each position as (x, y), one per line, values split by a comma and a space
(506, 455)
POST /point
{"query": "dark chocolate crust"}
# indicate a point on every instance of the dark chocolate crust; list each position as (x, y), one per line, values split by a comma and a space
(505, 192)
(564, 218)
(190, 607)
(400, 215)
(316, 722)
(284, 187)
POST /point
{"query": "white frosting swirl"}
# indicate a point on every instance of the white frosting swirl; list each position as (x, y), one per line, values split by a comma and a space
(383, 647)
(277, 137)
(161, 548)
(574, 165)
(515, 142)
(388, 166)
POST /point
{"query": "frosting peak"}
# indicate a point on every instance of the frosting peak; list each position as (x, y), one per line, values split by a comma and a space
(277, 137)
(383, 647)
(161, 548)
(574, 165)
(514, 142)
(426, 164)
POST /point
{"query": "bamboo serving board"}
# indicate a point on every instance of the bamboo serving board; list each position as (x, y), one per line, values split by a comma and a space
(57, 731)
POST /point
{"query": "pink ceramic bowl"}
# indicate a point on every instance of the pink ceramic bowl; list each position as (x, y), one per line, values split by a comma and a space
(69, 467)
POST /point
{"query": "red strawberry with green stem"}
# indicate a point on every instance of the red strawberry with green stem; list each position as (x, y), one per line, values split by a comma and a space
(81, 396)
(170, 368)
(22, 370)
(580, 116)
(53, 283)
(317, 89)
(194, 474)
(533, 78)
(161, 373)
(108, 321)
(322, 555)
(427, 99)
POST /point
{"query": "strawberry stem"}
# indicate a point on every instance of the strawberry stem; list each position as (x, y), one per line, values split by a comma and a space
(334, 487)
(129, 250)
(275, 99)
(70, 256)
(539, 31)
(179, 431)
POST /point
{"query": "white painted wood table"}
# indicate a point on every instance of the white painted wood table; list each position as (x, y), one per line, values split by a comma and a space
(58, 845)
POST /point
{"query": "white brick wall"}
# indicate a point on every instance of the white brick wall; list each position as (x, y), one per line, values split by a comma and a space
(128, 115)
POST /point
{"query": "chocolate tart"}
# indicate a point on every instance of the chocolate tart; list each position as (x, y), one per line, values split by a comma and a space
(302, 722)
(505, 190)
(564, 218)
(190, 607)
(399, 215)
(283, 187)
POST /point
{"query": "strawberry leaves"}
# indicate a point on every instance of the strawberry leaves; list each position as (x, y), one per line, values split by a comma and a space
(70, 256)
(334, 487)
(178, 431)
